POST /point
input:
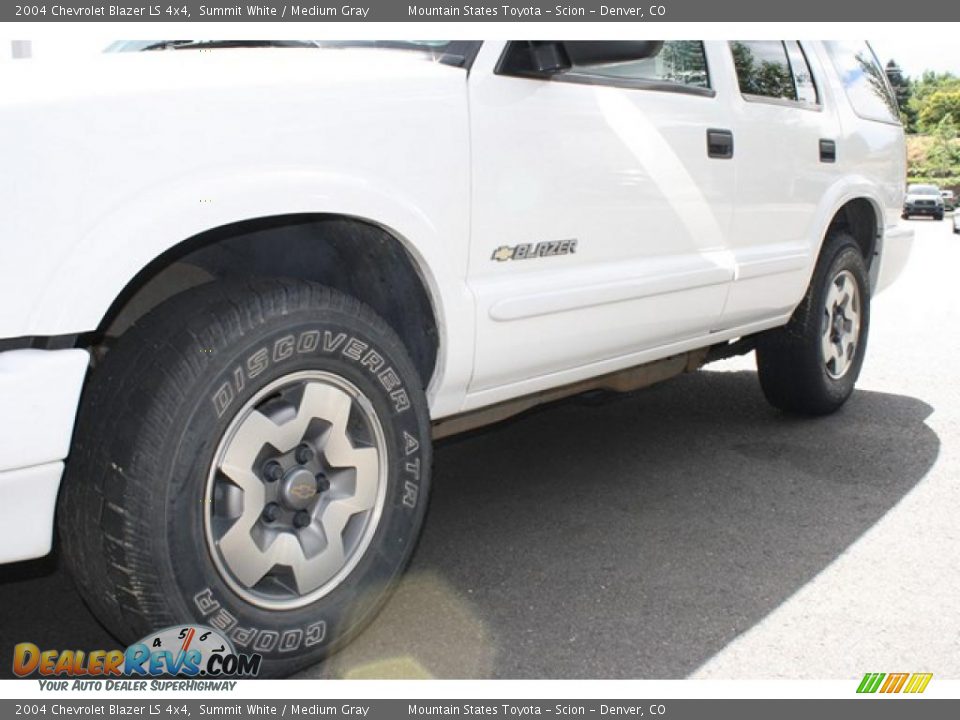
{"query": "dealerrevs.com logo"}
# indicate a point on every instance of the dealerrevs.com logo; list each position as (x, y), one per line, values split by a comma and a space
(191, 651)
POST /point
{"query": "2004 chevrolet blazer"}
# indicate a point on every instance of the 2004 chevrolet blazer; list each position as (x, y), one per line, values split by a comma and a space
(243, 289)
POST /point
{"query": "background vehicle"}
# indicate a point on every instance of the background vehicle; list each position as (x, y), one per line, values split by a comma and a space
(923, 200)
(949, 199)
(276, 274)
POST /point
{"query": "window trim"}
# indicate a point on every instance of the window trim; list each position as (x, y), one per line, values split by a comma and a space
(586, 78)
(813, 76)
(780, 101)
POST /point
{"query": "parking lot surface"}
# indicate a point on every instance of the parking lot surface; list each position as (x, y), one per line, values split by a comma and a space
(688, 529)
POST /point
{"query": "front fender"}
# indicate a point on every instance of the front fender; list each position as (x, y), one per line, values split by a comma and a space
(74, 294)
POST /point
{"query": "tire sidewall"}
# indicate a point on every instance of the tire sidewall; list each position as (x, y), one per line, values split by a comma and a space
(329, 341)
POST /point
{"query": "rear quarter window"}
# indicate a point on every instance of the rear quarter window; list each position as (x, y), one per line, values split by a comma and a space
(864, 80)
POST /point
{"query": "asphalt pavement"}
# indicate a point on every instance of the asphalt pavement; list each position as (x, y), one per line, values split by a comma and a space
(688, 529)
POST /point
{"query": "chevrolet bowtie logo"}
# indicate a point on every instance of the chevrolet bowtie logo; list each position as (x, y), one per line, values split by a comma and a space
(302, 492)
(502, 253)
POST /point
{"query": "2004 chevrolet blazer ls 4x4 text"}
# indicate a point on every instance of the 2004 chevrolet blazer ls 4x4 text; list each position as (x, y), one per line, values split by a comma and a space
(242, 290)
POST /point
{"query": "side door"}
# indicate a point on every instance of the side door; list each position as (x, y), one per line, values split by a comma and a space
(601, 213)
(787, 140)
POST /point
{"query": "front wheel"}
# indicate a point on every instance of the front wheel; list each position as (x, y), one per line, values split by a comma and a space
(250, 457)
(810, 365)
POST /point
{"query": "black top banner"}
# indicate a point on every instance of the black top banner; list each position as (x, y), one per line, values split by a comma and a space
(636, 11)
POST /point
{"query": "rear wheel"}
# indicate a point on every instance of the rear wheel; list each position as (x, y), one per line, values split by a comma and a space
(252, 457)
(810, 365)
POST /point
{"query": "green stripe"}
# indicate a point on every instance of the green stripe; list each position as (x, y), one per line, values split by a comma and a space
(864, 683)
(876, 684)
(871, 682)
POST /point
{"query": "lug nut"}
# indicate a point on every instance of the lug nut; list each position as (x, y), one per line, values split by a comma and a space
(304, 454)
(323, 482)
(301, 519)
(272, 471)
(271, 512)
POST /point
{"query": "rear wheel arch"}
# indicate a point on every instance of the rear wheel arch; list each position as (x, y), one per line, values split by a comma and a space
(861, 217)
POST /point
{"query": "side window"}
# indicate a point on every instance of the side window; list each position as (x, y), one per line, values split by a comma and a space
(763, 69)
(864, 80)
(802, 77)
(679, 62)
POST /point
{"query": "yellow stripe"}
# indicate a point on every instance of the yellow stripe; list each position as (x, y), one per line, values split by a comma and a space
(924, 681)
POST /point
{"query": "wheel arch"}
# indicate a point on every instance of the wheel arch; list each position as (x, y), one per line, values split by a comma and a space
(859, 212)
(355, 255)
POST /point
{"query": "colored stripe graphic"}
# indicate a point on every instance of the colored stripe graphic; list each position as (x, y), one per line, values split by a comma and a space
(894, 683)
(870, 682)
(918, 683)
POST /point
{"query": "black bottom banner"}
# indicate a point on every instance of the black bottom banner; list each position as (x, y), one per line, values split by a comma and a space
(868, 708)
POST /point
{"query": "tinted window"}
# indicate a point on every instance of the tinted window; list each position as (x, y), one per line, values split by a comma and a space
(802, 77)
(681, 62)
(864, 80)
(763, 68)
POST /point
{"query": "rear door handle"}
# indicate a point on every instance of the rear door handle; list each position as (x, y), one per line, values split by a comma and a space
(719, 143)
(828, 151)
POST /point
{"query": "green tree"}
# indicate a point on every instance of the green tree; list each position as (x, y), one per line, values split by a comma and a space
(937, 107)
(943, 157)
(924, 88)
(903, 91)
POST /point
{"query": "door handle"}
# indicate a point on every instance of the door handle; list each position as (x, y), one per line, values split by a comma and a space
(719, 143)
(828, 151)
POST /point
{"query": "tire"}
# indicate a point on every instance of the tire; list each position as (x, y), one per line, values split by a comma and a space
(792, 361)
(938, 217)
(204, 384)
(905, 216)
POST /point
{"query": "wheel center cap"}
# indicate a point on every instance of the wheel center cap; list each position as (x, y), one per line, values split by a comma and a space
(839, 327)
(297, 488)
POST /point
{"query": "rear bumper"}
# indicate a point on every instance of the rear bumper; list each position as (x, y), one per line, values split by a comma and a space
(894, 253)
(40, 390)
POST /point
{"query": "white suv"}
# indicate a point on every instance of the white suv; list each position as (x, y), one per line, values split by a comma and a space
(243, 289)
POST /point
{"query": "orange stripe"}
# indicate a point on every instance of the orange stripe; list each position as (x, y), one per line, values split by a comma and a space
(187, 639)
